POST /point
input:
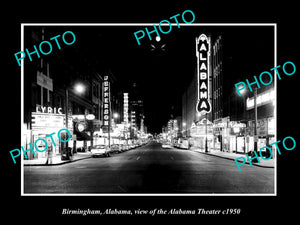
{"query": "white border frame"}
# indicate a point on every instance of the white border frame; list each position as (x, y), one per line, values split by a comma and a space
(144, 24)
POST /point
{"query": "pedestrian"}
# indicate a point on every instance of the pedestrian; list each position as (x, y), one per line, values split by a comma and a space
(49, 153)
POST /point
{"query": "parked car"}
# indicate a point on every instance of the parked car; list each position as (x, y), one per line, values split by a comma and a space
(166, 145)
(100, 150)
(185, 144)
(124, 147)
(115, 148)
(177, 145)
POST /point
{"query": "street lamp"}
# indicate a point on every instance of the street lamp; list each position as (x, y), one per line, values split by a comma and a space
(206, 146)
(115, 119)
(116, 115)
(184, 128)
(255, 119)
(79, 88)
(237, 131)
(255, 122)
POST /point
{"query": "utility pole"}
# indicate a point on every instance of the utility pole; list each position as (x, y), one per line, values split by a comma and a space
(206, 149)
(66, 116)
(109, 122)
(255, 123)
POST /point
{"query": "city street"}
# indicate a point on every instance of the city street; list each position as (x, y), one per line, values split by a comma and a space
(124, 113)
(149, 169)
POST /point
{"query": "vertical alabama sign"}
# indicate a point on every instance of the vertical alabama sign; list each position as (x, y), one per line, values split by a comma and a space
(203, 53)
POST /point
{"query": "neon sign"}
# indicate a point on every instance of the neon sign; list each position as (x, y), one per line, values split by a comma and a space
(125, 107)
(106, 101)
(45, 109)
(203, 53)
(262, 99)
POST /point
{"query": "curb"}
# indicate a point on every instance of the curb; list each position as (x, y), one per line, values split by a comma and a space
(57, 164)
(254, 164)
(65, 162)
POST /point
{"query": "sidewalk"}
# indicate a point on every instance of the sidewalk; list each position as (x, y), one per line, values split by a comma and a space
(56, 160)
(232, 156)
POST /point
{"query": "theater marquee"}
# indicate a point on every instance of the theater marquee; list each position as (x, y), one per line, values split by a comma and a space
(203, 53)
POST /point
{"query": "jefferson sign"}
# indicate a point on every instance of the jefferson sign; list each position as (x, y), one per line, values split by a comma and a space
(106, 102)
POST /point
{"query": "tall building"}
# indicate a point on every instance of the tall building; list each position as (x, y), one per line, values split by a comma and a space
(217, 91)
(49, 83)
(136, 107)
(189, 100)
(229, 126)
(233, 115)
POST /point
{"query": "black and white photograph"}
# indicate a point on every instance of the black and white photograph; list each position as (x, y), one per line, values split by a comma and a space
(159, 116)
(145, 112)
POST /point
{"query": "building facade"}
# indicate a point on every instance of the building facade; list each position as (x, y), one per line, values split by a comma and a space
(53, 88)
(229, 126)
(233, 118)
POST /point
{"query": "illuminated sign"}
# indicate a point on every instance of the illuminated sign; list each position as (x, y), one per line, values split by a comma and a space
(204, 121)
(125, 113)
(200, 130)
(265, 127)
(47, 109)
(261, 99)
(203, 53)
(237, 127)
(106, 101)
(47, 120)
(90, 116)
(80, 127)
(78, 117)
(133, 119)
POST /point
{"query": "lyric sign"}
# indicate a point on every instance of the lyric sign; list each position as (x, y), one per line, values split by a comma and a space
(203, 53)
(106, 102)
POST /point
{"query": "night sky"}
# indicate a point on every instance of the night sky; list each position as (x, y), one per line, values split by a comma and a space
(162, 78)
(163, 75)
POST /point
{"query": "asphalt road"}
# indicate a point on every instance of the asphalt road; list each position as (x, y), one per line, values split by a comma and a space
(149, 169)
